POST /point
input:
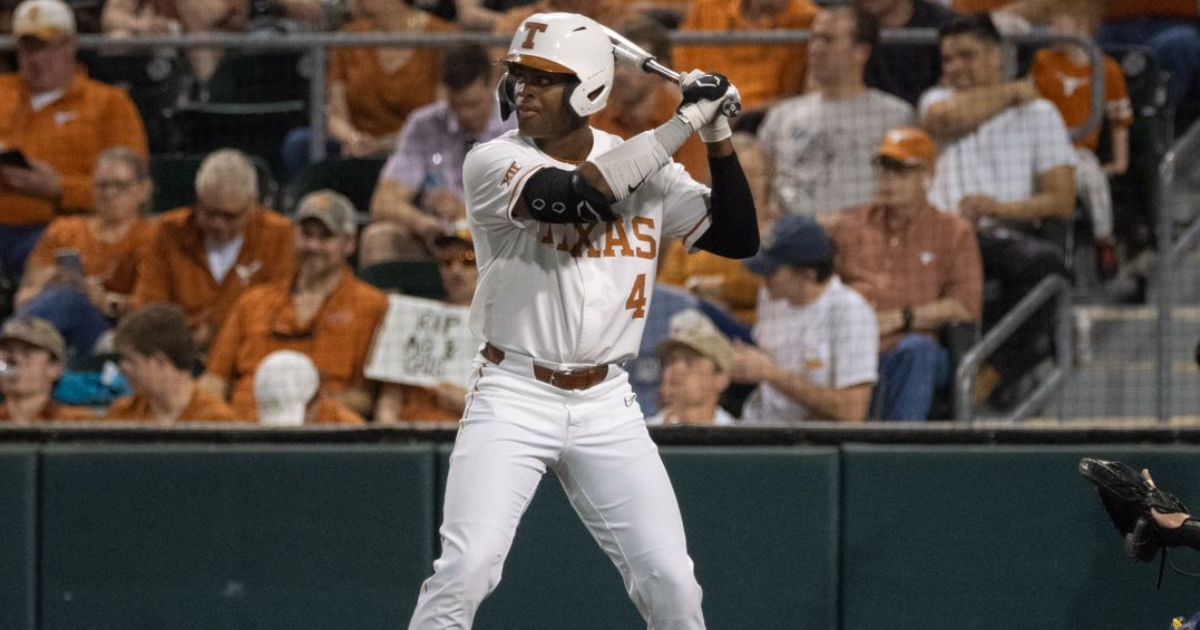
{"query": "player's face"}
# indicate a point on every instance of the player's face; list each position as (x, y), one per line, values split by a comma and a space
(690, 379)
(540, 106)
(319, 251)
(969, 62)
(472, 106)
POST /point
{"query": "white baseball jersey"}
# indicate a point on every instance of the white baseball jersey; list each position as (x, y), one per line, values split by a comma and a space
(569, 294)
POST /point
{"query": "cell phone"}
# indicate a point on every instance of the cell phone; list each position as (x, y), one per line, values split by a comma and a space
(13, 157)
(68, 261)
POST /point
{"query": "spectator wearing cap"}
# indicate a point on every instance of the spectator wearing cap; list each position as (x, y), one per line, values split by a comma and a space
(918, 267)
(203, 257)
(696, 359)
(420, 189)
(287, 389)
(818, 342)
(60, 120)
(157, 357)
(455, 254)
(323, 312)
(31, 362)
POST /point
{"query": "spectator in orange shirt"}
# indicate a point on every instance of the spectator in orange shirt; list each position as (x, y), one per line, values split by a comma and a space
(640, 101)
(918, 267)
(372, 91)
(764, 73)
(456, 264)
(204, 257)
(1063, 76)
(157, 356)
(324, 312)
(723, 282)
(82, 303)
(32, 354)
(60, 120)
(287, 389)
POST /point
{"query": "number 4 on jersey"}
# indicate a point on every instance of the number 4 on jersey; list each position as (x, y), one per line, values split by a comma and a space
(637, 297)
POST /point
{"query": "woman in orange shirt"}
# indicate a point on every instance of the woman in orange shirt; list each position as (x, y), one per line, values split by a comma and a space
(372, 90)
(80, 274)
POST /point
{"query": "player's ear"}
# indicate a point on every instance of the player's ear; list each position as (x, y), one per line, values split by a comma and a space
(506, 95)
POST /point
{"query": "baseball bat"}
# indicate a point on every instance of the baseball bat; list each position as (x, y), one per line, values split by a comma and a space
(631, 55)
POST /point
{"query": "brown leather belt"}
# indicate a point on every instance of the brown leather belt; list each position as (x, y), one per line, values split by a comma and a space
(573, 379)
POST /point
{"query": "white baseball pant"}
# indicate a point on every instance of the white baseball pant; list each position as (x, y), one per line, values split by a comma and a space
(596, 441)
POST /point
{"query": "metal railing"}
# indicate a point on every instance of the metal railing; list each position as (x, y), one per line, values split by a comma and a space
(964, 379)
(1173, 182)
(317, 45)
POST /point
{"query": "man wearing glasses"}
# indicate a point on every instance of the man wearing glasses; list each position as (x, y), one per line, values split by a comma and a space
(54, 122)
(325, 313)
(205, 256)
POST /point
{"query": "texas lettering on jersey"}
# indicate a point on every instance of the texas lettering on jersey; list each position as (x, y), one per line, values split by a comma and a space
(611, 239)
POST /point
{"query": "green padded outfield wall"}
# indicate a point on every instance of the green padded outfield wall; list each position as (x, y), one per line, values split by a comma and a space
(18, 549)
(761, 526)
(1001, 538)
(229, 537)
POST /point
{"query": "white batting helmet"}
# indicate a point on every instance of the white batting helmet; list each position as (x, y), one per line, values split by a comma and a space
(572, 44)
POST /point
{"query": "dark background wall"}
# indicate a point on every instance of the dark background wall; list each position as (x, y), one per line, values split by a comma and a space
(323, 536)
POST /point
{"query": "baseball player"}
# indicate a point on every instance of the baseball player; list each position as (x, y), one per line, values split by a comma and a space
(568, 222)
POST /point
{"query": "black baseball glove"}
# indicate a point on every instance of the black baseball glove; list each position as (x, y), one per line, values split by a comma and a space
(1128, 498)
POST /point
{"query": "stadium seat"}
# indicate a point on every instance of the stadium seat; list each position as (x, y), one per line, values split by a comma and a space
(255, 128)
(263, 77)
(155, 82)
(353, 177)
(174, 178)
(414, 278)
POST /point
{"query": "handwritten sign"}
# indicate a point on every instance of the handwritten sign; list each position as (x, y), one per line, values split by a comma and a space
(424, 343)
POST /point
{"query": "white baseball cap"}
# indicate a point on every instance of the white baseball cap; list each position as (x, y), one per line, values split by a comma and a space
(284, 383)
(43, 19)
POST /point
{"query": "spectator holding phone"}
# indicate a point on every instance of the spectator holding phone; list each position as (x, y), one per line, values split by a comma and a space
(60, 121)
(81, 273)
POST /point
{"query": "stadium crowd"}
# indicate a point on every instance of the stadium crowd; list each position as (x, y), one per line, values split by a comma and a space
(906, 193)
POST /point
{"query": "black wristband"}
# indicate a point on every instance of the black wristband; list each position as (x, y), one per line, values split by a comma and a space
(907, 317)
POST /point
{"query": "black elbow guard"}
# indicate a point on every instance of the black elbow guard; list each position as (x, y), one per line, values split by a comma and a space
(553, 195)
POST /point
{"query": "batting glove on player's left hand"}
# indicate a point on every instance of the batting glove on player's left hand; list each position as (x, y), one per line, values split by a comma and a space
(703, 96)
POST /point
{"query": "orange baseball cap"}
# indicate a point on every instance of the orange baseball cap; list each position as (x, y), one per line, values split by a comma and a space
(909, 146)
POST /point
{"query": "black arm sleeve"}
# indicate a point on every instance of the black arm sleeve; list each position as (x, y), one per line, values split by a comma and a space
(553, 195)
(734, 229)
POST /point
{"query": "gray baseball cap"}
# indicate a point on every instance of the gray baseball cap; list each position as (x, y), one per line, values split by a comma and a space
(332, 209)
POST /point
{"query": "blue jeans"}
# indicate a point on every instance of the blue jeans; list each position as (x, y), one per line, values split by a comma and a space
(909, 374)
(72, 313)
(1177, 43)
(294, 153)
(16, 242)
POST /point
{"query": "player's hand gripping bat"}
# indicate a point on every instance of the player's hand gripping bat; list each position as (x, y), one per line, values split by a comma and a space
(631, 55)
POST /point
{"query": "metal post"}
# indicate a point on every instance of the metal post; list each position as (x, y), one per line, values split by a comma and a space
(316, 103)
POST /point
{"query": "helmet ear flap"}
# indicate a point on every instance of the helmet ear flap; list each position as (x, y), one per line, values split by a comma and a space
(506, 95)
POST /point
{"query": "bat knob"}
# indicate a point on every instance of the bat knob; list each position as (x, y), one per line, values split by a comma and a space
(731, 107)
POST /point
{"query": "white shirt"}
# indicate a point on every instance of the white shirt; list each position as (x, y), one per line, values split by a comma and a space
(569, 295)
(721, 418)
(820, 149)
(221, 258)
(1003, 157)
(833, 342)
